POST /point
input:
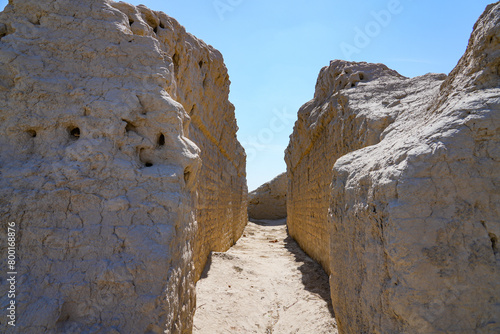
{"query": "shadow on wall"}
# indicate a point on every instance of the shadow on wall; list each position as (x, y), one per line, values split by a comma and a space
(314, 278)
(208, 264)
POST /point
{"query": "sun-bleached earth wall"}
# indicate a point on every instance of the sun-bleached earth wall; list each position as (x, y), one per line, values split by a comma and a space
(393, 188)
(102, 155)
(414, 220)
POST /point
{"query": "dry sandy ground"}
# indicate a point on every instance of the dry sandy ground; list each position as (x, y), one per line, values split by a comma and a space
(263, 284)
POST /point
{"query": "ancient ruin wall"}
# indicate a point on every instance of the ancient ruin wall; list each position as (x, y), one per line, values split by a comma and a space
(221, 211)
(269, 200)
(353, 104)
(97, 170)
(414, 220)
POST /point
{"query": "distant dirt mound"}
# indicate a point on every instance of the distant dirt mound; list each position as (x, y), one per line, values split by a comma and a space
(269, 200)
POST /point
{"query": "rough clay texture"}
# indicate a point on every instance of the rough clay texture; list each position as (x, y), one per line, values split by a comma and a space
(221, 211)
(201, 85)
(264, 284)
(353, 104)
(269, 200)
(414, 218)
(97, 169)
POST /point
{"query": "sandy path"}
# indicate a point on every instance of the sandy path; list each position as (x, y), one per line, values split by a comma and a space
(263, 284)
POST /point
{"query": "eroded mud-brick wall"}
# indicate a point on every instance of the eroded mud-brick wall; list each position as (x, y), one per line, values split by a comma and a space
(393, 187)
(202, 87)
(414, 220)
(353, 104)
(99, 166)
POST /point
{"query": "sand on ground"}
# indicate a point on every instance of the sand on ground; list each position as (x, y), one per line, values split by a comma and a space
(263, 284)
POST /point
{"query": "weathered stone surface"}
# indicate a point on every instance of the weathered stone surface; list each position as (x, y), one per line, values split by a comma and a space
(269, 200)
(353, 104)
(222, 192)
(414, 206)
(97, 169)
(221, 210)
(424, 205)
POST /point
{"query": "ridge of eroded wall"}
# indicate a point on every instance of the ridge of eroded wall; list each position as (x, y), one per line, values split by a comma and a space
(352, 105)
(222, 191)
(424, 207)
(269, 200)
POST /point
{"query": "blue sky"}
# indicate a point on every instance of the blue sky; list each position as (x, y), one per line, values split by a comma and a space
(275, 49)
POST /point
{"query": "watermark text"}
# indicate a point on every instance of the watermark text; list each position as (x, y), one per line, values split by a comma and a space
(279, 122)
(224, 6)
(11, 273)
(364, 36)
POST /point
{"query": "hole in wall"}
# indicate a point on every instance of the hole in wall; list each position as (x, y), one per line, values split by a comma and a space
(200, 63)
(130, 22)
(161, 140)
(162, 25)
(148, 164)
(187, 175)
(152, 20)
(353, 85)
(494, 243)
(32, 133)
(175, 59)
(74, 132)
(361, 76)
(4, 30)
(129, 127)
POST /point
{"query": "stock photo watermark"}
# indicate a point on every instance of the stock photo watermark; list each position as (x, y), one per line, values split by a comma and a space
(11, 273)
(279, 122)
(224, 6)
(372, 29)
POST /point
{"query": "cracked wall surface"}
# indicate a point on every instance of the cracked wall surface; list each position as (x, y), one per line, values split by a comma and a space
(201, 85)
(104, 109)
(407, 221)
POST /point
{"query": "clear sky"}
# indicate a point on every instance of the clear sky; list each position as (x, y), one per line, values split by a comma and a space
(274, 50)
